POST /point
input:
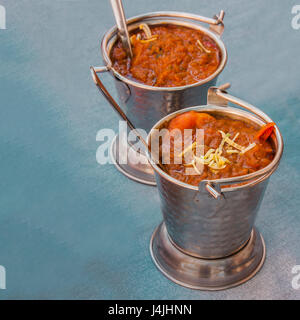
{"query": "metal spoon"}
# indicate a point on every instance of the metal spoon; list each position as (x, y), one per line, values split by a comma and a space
(122, 25)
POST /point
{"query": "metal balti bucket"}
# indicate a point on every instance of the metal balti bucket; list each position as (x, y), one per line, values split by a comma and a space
(147, 104)
(144, 104)
(215, 220)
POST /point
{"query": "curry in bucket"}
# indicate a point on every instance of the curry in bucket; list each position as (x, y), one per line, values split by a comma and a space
(167, 56)
(230, 148)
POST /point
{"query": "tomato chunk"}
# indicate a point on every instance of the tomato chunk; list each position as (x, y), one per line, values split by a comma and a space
(190, 120)
(186, 120)
(204, 118)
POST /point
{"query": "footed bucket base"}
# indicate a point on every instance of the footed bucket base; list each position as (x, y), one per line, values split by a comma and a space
(207, 274)
(141, 172)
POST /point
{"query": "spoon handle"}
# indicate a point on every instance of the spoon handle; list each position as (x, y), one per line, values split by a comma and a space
(122, 25)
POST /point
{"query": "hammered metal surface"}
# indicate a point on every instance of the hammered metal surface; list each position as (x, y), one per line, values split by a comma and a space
(214, 227)
(205, 227)
(146, 107)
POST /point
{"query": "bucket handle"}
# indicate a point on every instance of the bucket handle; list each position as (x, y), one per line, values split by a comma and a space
(112, 101)
(219, 96)
(216, 23)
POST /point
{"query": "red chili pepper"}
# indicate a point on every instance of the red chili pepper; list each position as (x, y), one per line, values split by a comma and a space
(264, 133)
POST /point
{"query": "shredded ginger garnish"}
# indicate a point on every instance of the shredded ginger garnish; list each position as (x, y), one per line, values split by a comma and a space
(147, 31)
(190, 147)
(202, 46)
(252, 145)
(149, 40)
(213, 157)
(231, 142)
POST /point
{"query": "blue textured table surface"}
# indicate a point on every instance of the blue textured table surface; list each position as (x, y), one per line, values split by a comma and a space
(73, 229)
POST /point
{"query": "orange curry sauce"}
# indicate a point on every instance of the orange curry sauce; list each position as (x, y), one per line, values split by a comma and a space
(172, 58)
(239, 164)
